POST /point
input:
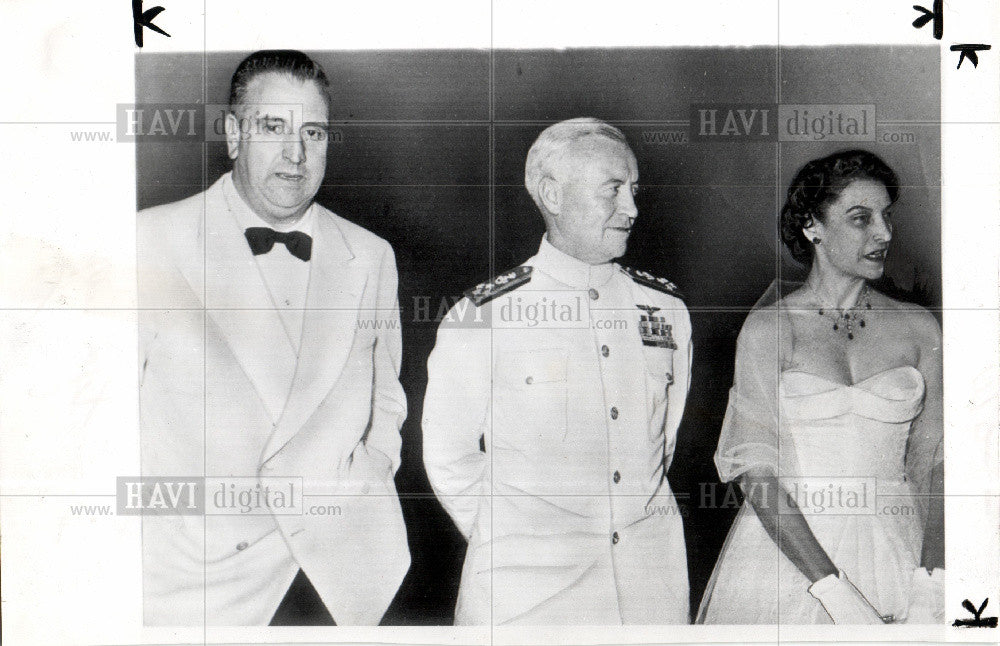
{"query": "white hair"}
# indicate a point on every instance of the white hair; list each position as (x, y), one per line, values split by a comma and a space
(551, 146)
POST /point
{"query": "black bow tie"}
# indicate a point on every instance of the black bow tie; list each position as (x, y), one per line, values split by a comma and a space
(262, 240)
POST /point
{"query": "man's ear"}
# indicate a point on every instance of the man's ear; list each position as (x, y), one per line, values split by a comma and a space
(550, 194)
(233, 135)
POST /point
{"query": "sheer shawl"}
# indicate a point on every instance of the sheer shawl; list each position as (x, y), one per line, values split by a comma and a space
(924, 452)
(925, 445)
(749, 438)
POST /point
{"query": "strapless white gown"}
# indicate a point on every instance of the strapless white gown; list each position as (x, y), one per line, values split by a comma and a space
(847, 437)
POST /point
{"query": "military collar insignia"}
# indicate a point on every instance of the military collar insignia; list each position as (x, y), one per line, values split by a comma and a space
(654, 282)
(654, 330)
(485, 292)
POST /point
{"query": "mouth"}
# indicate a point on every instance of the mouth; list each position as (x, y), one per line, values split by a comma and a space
(291, 177)
(625, 230)
(877, 255)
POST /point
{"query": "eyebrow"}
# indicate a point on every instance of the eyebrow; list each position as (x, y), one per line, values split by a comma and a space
(868, 209)
(859, 206)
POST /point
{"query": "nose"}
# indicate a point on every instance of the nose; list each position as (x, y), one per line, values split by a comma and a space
(884, 231)
(626, 206)
(294, 149)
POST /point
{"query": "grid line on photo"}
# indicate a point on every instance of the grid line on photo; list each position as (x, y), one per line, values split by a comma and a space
(778, 273)
(491, 97)
(204, 321)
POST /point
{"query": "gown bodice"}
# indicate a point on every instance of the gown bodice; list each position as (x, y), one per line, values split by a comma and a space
(839, 430)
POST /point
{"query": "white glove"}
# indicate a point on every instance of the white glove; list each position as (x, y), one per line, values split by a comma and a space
(926, 597)
(843, 602)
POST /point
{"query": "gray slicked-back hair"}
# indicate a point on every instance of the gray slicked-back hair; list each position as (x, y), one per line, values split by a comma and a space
(552, 144)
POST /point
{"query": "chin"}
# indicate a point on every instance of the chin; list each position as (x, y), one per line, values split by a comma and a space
(289, 200)
(873, 274)
(615, 252)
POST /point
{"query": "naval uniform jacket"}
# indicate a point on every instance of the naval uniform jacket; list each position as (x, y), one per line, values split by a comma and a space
(569, 516)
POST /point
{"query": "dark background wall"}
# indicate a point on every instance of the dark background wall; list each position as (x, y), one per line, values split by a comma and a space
(432, 159)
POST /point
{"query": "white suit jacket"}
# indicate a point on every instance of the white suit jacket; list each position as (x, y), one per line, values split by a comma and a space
(223, 394)
(575, 376)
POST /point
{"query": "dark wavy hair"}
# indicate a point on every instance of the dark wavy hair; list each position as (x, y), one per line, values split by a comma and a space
(820, 182)
(284, 61)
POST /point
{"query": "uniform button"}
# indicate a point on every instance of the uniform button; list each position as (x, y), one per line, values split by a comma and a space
(615, 538)
(670, 378)
(614, 413)
(530, 380)
(242, 545)
(605, 350)
(593, 294)
(617, 477)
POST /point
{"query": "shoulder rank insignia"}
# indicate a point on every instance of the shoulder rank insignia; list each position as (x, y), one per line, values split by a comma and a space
(485, 292)
(649, 280)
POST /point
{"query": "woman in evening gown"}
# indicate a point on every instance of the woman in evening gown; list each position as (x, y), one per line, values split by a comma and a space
(834, 427)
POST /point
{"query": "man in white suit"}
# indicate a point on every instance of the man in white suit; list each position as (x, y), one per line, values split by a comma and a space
(269, 357)
(572, 371)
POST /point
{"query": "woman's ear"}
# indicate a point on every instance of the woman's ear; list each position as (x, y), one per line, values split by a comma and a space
(814, 232)
(550, 194)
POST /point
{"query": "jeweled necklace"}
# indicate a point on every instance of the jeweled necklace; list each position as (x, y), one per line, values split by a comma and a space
(846, 319)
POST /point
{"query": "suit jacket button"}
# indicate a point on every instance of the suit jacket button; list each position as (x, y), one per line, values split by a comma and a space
(615, 538)
(242, 545)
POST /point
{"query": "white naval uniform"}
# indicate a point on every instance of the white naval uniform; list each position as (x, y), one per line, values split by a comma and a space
(569, 515)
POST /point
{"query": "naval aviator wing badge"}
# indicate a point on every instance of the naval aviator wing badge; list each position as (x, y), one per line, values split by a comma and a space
(654, 330)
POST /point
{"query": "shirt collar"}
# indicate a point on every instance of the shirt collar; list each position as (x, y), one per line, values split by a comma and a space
(246, 217)
(569, 270)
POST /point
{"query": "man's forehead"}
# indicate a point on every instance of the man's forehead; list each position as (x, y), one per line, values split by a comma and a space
(277, 91)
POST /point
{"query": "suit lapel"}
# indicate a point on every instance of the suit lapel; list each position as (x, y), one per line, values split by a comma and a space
(336, 285)
(239, 303)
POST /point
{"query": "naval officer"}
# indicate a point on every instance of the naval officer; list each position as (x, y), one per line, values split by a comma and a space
(554, 395)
